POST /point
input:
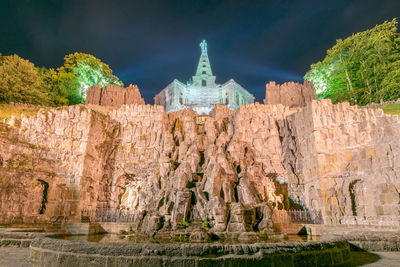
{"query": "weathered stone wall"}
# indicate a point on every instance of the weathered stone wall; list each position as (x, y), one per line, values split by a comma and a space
(98, 164)
(24, 175)
(52, 164)
(114, 95)
(347, 159)
(232, 168)
(141, 158)
(290, 94)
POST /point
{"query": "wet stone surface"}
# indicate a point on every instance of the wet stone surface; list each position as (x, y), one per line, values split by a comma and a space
(16, 257)
(67, 253)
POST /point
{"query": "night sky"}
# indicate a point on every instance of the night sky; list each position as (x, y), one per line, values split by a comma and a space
(149, 43)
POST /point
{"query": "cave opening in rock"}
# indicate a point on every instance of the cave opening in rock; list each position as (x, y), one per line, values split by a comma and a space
(238, 169)
(353, 197)
(44, 195)
(202, 159)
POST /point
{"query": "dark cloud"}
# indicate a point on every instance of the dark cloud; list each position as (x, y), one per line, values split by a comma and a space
(152, 42)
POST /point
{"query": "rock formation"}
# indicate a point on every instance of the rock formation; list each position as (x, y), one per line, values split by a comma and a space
(290, 94)
(346, 157)
(234, 169)
(114, 95)
(53, 163)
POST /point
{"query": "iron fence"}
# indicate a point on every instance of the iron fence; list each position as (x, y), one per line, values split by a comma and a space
(107, 216)
(296, 216)
(305, 216)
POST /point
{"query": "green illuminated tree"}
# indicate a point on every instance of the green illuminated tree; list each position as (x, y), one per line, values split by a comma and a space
(88, 71)
(21, 81)
(362, 68)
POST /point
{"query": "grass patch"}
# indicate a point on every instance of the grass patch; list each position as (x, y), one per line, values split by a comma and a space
(392, 109)
(6, 111)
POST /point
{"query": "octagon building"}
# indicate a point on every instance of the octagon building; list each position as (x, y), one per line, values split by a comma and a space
(202, 93)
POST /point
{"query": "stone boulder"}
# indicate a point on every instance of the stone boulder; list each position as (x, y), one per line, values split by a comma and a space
(114, 95)
(290, 94)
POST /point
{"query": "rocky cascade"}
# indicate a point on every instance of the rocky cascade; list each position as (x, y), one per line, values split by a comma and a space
(185, 167)
(235, 170)
(289, 94)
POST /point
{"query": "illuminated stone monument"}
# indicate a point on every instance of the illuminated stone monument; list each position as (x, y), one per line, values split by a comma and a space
(202, 93)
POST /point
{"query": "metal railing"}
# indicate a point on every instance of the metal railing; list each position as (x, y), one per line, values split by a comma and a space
(296, 216)
(107, 216)
(306, 216)
(300, 216)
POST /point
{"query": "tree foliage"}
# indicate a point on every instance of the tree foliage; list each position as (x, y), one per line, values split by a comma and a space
(21, 81)
(362, 68)
(88, 71)
(63, 88)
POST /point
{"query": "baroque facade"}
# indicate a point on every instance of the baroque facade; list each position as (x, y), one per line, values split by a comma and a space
(202, 93)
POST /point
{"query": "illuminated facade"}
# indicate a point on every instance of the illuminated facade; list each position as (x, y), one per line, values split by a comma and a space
(202, 93)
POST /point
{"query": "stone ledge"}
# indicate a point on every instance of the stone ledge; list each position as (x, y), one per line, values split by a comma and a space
(68, 253)
(23, 243)
(378, 241)
(8, 238)
(185, 249)
(367, 237)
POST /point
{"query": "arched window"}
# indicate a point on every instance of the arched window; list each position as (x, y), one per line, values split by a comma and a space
(203, 83)
(204, 72)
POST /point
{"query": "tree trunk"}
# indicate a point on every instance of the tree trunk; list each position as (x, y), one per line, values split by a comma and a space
(350, 85)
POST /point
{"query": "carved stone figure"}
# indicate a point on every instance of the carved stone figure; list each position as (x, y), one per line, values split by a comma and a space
(203, 46)
(130, 199)
(272, 197)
